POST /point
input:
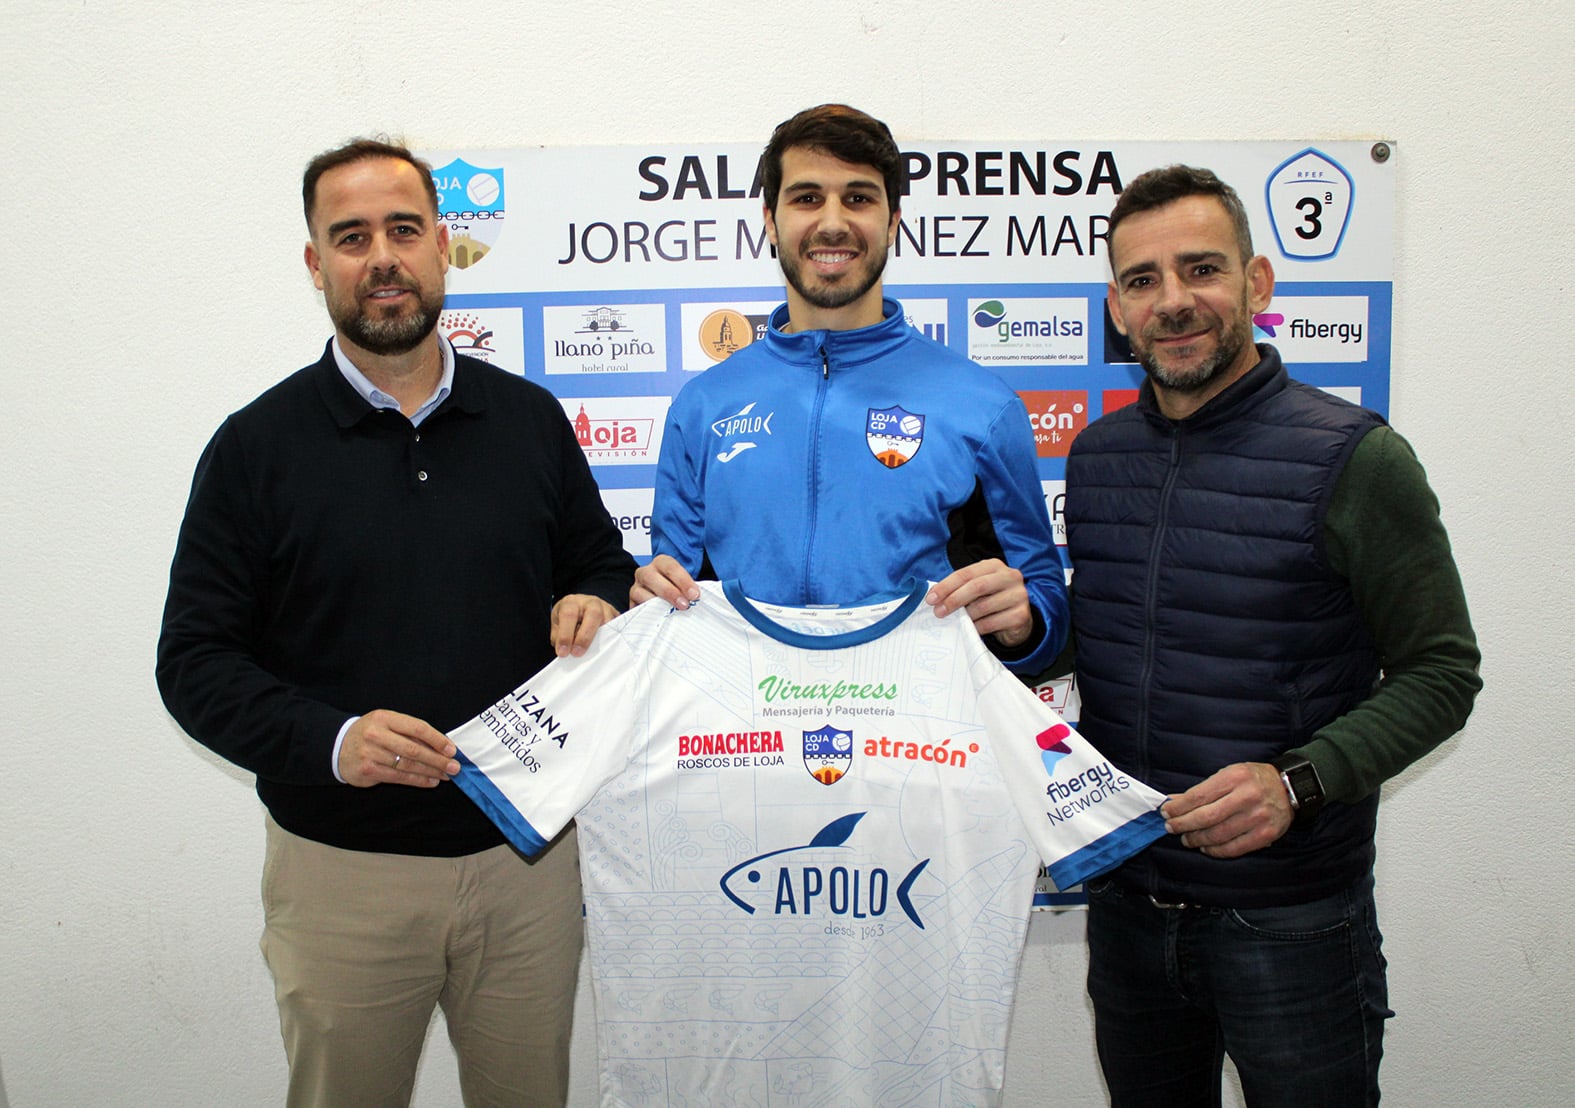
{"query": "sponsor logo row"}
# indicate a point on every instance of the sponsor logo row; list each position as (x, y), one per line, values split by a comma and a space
(1009, 331)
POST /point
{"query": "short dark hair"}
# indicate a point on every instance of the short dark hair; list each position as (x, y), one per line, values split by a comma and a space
(846, 134)
(1159, 187)
(360, 150)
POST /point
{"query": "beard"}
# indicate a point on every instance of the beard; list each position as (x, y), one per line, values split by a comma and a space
(1234, 336)
(832, 295)
(382, 332)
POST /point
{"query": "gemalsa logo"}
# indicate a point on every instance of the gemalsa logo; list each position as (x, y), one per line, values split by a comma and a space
(828, 754)
(470, 202)
(618, 430)
(1028, 331)
(822, 878)
(893, 435)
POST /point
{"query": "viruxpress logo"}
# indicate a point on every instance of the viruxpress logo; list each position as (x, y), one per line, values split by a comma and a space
(820, 878)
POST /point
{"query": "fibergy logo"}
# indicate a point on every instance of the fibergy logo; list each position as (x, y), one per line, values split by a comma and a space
(828, 754)
(821, 873)
(1053, 746)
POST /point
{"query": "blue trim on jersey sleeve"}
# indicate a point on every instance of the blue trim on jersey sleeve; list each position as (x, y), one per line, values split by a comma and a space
(479, 787)
(912, 590)
(1107, 851)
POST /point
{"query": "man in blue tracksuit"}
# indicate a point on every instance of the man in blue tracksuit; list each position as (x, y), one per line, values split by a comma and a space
(844, 451)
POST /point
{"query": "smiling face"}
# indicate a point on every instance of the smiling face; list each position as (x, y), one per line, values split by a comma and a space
(1185, 299)
(379, 254)
(832, 226)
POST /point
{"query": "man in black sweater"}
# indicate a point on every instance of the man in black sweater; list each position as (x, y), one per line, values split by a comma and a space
(376, 549)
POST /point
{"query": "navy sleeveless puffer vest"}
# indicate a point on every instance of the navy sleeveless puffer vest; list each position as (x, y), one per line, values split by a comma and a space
(1210, 628)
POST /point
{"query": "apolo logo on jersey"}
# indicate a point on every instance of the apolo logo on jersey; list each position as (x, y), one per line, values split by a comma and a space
(828, 754)
(820, 880)
(893, 435)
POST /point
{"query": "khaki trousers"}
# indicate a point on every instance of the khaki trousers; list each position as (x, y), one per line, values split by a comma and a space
(362, 946)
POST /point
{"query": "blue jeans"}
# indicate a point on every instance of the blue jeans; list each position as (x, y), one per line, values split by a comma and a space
(1295, 995)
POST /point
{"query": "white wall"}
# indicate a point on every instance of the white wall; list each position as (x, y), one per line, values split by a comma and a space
(152, 283)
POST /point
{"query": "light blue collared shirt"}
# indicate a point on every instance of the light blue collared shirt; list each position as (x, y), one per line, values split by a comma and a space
(380, 399)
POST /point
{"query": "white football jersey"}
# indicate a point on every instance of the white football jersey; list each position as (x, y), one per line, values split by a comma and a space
(809, 841)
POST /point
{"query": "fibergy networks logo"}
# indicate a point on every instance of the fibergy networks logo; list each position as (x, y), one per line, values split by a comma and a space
(1266, 322)
(821, 874)
(1053, 746)
(828, 754)
(893, 435)
(741, 422)
(470, 202)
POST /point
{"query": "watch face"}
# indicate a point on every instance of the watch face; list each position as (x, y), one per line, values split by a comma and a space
(1306, 782)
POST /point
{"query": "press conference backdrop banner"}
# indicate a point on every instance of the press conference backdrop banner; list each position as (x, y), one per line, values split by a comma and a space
(613, 275)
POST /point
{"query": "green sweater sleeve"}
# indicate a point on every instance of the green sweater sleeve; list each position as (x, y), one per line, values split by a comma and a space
(1383, 534)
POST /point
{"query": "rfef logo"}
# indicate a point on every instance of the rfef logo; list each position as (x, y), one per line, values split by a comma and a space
(1310, 198)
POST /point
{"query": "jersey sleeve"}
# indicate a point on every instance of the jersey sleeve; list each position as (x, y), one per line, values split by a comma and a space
(1083, 814)
(536, 757)
(678, 510)
(1010, 480)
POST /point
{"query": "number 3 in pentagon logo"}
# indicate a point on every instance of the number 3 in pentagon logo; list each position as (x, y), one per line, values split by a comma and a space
(894, 435)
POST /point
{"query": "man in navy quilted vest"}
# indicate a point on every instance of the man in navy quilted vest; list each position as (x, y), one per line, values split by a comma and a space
(1269, 624)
